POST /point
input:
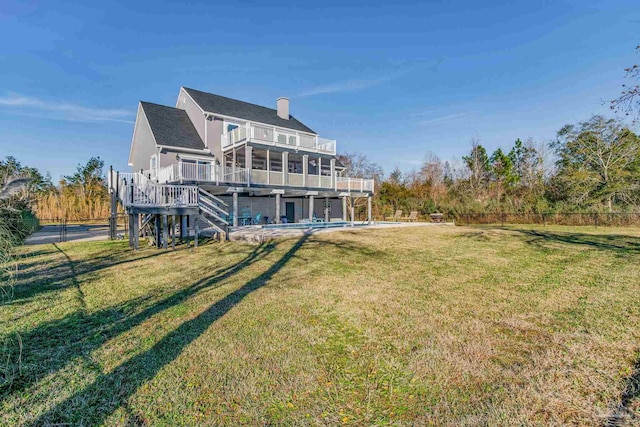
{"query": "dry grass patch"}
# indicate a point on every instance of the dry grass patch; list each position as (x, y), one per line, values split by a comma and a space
(435, 325)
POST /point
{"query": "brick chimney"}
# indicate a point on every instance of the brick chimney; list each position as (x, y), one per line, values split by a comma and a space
(283, 108)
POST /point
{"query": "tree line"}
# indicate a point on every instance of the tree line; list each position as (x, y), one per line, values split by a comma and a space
(591, 166)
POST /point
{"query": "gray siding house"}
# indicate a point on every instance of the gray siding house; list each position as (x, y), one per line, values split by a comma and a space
(264, 163)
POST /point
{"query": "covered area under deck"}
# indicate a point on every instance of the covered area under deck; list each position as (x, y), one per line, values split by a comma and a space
(261, 206)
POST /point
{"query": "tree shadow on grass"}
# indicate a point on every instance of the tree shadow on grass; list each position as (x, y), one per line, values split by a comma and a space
(97, 401)
(51, 346)
(51, 276)
(621, 413)
(618, 243)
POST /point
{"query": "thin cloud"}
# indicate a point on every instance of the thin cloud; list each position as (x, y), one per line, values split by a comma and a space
(346, 86)
(351, 85)
(443, 119)
(66, 111)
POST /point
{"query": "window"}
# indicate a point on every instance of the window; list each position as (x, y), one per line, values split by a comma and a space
(153, 162)
(284, 138)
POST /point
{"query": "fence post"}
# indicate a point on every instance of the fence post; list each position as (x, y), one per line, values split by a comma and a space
(595, 219)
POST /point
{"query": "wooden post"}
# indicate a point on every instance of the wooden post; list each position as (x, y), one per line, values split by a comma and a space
(173, 232)
(165, 231)
(369, 209)
(131, 230)
(136, 231)
(310, 208)
(278, 208)
(157, 226)
(113, 227)
(196, 232)
(235, 209)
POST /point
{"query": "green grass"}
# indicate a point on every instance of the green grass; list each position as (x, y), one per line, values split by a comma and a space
(408, 326)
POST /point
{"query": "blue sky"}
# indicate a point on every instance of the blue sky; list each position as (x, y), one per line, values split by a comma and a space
(391, 79)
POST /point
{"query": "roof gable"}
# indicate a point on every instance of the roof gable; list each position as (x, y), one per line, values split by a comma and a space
(171, 126)
(244, 110)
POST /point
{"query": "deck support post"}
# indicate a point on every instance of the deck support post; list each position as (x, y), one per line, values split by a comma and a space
(131, 230)
(136, 231)
(165, 231)
(195, 232)
(157, 227)
(326, 209)
(277, 208)
(310, 208)
(173, 232)
(344, 208)
(183, 227)
(235, 208)
(369, 208)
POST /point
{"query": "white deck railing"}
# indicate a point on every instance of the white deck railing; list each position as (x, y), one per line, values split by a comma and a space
(353, 184)
(192, 172)
(236, 176)
(295, 179)
(156, 195)
(273, 135)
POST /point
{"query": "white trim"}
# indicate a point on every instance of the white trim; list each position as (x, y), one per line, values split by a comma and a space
(133, 137)
(196, 157)
(153, 158)
(186, 150)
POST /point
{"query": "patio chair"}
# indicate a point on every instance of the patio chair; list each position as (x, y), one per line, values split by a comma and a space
(257, 219)
(395, 217)
(413, 216)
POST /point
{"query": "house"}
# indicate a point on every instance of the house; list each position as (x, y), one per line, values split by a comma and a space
(262, 163)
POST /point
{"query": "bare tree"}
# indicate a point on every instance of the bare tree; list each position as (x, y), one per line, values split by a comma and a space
(629, 100)
(358, 165)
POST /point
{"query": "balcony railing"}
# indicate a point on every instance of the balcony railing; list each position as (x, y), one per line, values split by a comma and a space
(212, 173)
(353, 184)
(153, 195)
(272, 135)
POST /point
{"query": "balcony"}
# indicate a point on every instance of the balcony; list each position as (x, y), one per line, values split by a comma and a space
(211, 173)
(278, 137)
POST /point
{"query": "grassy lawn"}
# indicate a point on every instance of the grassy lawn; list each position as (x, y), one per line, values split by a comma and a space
(412, 326)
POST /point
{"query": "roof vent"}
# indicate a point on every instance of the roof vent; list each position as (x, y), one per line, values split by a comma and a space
(283, 108)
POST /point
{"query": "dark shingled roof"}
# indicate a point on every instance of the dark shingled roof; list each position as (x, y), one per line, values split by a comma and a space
(243, 110)
(172, 127)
